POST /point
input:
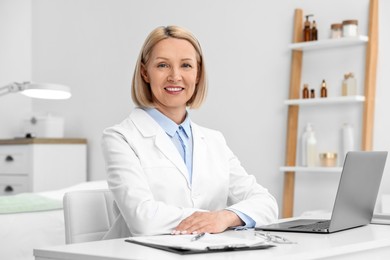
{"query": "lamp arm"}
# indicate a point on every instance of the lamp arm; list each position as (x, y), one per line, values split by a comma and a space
(12, 88)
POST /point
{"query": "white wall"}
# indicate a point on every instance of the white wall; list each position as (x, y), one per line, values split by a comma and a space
(92, 46)
(15, 62)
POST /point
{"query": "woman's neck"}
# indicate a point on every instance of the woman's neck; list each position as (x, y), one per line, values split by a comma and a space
(176, 115)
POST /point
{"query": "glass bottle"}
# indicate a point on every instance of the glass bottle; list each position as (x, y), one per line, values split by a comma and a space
(312, 93)
(314, 31)
(324, 91)
(305, 91)
(307, 29)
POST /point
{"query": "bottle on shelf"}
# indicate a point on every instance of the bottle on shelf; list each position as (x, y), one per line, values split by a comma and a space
(349, 85)
(314, 31)
(311, 149)
(347, 141)
(305, 91)
(305, 136)
(324, 91)
(312, 93)
(307, 29)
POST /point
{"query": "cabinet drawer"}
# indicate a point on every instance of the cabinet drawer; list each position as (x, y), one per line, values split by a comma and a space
(13, 185)
(14, 160)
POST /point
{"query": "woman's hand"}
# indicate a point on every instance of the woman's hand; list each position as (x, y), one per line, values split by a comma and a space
(210, 222)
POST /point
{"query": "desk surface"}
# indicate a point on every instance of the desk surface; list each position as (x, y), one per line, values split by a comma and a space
(372, 241)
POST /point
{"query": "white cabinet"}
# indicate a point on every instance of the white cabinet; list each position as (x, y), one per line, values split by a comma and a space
(41, 164)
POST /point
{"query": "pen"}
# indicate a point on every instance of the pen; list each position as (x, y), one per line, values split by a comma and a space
(197, 237)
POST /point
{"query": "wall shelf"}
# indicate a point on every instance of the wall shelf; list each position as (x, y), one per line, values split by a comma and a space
(326, 101)
(310, 169)
(329, 43)
(294, 102)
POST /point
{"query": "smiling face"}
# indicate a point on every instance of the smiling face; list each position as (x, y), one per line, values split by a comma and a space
(172, 73)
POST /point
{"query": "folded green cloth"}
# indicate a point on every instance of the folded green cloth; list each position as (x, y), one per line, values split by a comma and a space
(27, 202)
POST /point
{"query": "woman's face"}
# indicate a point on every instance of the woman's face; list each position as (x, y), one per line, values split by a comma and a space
(172, 73)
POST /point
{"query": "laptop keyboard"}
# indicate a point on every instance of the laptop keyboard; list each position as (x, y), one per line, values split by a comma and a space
(318, 226)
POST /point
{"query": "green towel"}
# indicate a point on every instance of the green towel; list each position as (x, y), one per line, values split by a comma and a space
(27, 202)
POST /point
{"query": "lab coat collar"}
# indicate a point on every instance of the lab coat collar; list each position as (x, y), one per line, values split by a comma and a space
(149, 128)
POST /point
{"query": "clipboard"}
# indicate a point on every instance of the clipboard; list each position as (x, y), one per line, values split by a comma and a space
(164, 242)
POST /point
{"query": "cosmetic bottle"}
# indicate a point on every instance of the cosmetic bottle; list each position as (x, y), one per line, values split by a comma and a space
(304, 138)
(307, 29)
(314, 31)
(324, 91)
(311, 149)
(349, 85)
(305, 91)
(347, 141)
(312, 93)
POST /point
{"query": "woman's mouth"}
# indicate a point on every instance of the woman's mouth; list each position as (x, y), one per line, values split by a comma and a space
(173, 89)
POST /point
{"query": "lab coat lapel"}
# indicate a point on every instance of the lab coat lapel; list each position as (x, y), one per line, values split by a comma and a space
(166, 146)
(149, 128)
(199, 159)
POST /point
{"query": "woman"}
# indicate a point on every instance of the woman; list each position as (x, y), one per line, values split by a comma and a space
(168, 174)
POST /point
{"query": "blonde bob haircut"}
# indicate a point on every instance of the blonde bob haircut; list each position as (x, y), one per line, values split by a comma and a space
(140, 90)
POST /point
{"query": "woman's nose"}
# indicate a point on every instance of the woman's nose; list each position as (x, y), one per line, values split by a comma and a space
(174, 75)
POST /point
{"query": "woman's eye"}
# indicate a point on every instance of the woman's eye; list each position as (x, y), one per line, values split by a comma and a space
(186, 65)
(162, 65)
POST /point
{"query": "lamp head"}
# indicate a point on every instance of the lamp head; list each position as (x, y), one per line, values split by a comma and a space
(47, 91)
(38, 90)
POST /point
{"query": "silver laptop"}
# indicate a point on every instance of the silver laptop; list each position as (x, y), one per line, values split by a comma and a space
(355, 198)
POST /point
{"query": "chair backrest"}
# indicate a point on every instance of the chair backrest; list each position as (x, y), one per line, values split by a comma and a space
(88, 215)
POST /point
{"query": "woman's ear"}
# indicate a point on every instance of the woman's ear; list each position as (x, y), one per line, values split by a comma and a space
(144, 73)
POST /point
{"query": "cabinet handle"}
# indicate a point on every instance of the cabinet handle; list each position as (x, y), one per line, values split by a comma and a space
(8, 189)
(9, 158)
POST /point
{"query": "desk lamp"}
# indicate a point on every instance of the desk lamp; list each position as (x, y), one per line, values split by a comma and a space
(37, 90)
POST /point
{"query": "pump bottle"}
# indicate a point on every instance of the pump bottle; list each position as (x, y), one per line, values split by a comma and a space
(311, 149)
(314, 31)
(305, 136)
(307, 29)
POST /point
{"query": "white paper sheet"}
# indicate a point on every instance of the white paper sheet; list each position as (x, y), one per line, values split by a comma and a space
(212, 241)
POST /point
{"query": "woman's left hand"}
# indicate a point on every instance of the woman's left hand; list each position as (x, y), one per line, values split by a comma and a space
(209, 222)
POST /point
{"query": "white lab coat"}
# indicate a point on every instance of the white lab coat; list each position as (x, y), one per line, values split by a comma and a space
(149, 180)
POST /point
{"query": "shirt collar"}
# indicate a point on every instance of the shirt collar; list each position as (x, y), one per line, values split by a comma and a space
(169, 126)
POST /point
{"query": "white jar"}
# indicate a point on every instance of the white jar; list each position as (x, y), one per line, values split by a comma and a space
(350, 28)
(336, 31)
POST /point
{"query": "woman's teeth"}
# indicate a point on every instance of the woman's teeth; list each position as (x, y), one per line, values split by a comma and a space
(173, 89)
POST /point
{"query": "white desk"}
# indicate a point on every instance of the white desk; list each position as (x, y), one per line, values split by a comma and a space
(368, 242)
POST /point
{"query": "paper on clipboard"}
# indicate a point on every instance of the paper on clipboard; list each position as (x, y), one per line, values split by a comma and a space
(208, 242)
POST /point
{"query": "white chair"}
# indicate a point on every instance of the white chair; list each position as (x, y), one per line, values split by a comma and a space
(88, 215)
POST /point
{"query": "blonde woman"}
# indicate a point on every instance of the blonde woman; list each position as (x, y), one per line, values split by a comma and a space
(168, 174)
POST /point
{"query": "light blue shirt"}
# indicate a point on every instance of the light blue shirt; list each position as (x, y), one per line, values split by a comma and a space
(181, 136)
